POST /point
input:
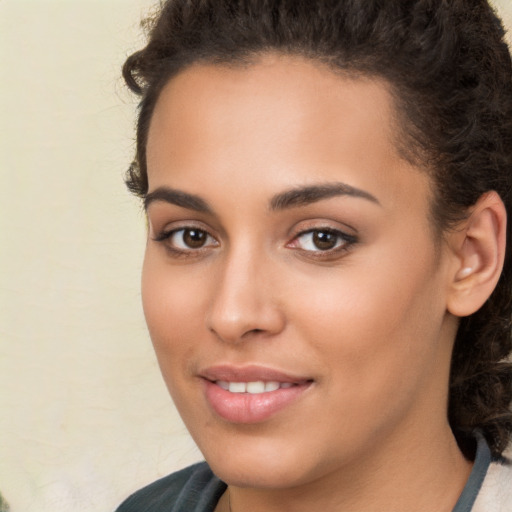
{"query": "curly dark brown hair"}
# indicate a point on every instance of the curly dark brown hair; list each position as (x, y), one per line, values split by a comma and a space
(451, 75)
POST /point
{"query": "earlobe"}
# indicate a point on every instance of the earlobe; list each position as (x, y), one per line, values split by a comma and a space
(480, 252)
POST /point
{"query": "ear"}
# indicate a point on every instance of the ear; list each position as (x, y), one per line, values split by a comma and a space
(479, 249)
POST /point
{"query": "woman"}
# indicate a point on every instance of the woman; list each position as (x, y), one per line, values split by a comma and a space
(327, 279)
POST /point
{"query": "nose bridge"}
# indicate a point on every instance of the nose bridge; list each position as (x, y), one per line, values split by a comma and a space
(242, 300)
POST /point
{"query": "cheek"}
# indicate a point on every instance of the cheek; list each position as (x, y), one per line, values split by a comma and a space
(172, 310)
(376, 324)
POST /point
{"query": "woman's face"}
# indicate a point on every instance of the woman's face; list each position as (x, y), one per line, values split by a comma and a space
(291, 259)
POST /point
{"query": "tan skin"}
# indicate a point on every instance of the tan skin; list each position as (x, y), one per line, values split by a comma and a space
(355, 291)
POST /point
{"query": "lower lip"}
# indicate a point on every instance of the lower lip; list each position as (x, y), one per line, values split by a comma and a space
(248, 407)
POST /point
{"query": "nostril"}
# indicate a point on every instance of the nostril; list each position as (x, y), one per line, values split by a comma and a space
(254, 331)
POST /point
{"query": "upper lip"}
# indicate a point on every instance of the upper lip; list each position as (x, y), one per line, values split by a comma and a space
(249, 373)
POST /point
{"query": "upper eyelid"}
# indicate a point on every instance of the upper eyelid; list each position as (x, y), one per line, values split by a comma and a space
(326, 223)
(167, 233)
(168, 227)
(342, 234)
(343, 229)
(322, 228)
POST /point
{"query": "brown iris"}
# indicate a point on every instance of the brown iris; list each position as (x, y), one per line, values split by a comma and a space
(194, 238)
(324, 240)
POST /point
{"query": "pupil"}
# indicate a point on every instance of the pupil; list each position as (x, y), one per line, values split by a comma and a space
(194, 238)
(324, 240)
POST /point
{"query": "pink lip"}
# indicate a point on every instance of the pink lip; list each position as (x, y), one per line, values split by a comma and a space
(249, 373)
(246, 407)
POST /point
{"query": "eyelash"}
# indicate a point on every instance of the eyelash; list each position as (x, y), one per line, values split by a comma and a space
(165, 237)
(344, 242)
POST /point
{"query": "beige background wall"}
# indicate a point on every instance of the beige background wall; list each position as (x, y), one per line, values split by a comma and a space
(84, 416)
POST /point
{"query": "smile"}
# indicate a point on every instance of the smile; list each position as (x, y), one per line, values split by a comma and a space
(254, 387)
(251, 394)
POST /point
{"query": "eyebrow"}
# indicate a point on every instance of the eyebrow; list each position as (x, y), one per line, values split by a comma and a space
(293, 198)
(302, 196)
(178, 198)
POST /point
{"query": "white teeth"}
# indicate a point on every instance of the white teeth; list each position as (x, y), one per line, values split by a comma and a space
(254, 387)
(271, 386)
(223, 384)
(237, 387)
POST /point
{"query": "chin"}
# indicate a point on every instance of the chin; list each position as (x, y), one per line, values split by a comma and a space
(262, 474)
(249, 461)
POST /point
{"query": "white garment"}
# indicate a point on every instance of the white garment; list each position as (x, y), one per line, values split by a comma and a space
(496, 492)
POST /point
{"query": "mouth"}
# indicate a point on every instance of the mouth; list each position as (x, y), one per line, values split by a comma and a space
(251, 394)
(254, 387)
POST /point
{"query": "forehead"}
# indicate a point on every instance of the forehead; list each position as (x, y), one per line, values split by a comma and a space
(284, 91)
(276, 120)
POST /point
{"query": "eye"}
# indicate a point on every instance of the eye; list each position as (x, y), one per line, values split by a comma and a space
(187, 239)
(322, 240)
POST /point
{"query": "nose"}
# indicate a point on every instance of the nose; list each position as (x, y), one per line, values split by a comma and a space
(244, 300)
